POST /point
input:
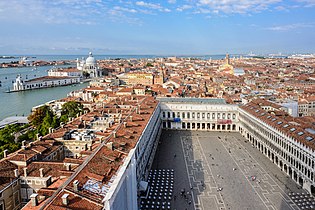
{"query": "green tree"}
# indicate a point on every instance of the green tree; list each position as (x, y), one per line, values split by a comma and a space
(86, 74)
(71, 109)
(46, 124)
(37, 117)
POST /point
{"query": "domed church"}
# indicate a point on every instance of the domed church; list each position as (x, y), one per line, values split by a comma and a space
(89, 65)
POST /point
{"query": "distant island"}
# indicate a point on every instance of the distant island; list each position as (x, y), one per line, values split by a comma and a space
(13, 57)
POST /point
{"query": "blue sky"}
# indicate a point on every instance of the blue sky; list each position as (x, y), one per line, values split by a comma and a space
(170, 27)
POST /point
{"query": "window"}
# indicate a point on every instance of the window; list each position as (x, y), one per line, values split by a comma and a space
(208, 115)
(286, 125)
(173, 114)
(300, 133)
(213, 116)
(163, 114)
(183, 115)
(292, 129)
(309, 138)
(168, 115)
(279, 123)
(188, 115)
(203, 115)
(22, 181)
(193, 115)
(198, 115)
(16, 199)
(29, 181)
(1, 206)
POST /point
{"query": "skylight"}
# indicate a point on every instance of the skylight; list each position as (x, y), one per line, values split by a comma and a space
(268, 116)
(279, 123)
(273, 119)
(286, 125)
(292, 129)
(309, 138)
(300, 133)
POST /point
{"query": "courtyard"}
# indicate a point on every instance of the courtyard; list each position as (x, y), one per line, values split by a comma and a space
(222, 170)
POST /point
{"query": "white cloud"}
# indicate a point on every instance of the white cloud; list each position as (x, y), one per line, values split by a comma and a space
(307, 3)
(171, 1)
(236, 6)
(184, 7)
(152, 6)
(148, 5)
(291, 27)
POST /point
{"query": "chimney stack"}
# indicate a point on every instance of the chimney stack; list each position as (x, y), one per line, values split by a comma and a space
(65, 200)
(115, 135)
(41, 172)
(76, 186)
(68, 166)
(23, 144)
(25, 172)
(109, 145)
(131, 118)
(34, 199)
(16, 172)
(50, 130)
(5, 153)
(37, 136)
(125, 124)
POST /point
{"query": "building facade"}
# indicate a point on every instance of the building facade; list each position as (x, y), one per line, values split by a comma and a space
(89, 66)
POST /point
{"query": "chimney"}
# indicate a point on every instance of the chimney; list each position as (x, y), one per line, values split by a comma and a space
(90, 147)
(34, 199)
(139, 107)
(68, 166)
(25, 172)
(16, 172)
(109, 145)
(125, 124)
(23, 144)
(115, 135)
(5, 153)
(131, 118)
(65, 200)
(76, 186)
(37, 136)
(41, 172)
(84, 124)
(50, 130)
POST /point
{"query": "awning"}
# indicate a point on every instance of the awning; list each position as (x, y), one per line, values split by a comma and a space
(143, 185)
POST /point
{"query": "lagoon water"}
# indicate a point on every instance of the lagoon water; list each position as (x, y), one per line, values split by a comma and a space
(21, 103)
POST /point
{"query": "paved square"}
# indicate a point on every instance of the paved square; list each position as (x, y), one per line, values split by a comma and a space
(221, 170)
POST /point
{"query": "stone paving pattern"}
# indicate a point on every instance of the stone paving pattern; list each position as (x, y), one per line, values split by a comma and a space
(217, 169)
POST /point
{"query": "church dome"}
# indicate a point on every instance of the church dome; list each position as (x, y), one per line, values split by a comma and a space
(90, 60)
